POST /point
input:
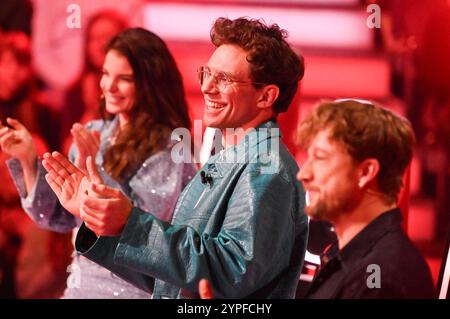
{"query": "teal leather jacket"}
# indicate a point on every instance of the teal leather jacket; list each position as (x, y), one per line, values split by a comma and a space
(241, 226)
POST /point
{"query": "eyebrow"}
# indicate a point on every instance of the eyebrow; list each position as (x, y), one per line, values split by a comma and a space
(231, 76)
(122, 74)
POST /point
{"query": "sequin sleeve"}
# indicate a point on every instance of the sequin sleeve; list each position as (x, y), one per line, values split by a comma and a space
(158, 183)
(41, 205)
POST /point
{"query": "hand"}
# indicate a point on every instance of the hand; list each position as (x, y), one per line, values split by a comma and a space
(87, 143)
(17, 142)
(105, 210)
(67, 181)
(204, 289)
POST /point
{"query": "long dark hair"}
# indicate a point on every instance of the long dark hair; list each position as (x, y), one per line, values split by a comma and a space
(160, 104)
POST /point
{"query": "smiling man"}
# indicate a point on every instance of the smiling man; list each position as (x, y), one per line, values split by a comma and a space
(357, 154)
(236, 225)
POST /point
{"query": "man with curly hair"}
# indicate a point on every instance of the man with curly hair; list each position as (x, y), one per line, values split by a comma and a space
(240, 222)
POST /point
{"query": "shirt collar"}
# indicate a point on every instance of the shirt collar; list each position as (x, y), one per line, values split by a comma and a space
(363, 242)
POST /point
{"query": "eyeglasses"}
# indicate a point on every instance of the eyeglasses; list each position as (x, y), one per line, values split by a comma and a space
(221, 80)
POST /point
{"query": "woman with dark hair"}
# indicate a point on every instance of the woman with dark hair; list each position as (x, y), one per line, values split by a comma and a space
(142, 102)
(81, 98)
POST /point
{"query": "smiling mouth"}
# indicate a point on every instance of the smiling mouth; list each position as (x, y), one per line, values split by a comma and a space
(114, 99)
(213, 106)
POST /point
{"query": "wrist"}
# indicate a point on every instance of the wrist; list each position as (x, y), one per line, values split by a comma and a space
(29, 161)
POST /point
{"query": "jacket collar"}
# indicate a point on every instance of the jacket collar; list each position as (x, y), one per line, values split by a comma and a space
(261, 133)
(248, 143)
(257, 141)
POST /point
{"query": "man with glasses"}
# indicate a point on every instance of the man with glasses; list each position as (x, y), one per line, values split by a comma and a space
(240, 222)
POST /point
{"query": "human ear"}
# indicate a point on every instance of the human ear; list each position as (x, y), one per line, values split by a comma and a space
(368, 171)
(268, 96)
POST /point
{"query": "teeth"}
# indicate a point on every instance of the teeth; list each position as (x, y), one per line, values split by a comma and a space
(114, 99)
(212, 105)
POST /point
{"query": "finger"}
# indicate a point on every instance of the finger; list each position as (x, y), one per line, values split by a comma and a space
(54, 167)
(15, 124)
(4, 130)
(82, 132)
(94, 175)
(80, 143)
(7, 139)
(46, 162)
(89, 216)
(77, 126)
(53, 185)
(96, 204)
(91, 139)
(84, 185)
(69, 187)
(105, 191)
(96, 136)
(85, 135)
(7, 136)
(64, 162)
(56, 178)
(87, 190)
(204, 289)
(83, 152)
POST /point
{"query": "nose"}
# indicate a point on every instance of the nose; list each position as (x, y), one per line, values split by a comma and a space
(209, 86)
(110, 84)
(305, 173)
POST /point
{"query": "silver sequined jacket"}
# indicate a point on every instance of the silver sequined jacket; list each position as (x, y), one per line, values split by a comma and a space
(154, 187)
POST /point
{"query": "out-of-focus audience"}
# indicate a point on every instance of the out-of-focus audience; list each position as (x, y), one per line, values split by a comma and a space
(33, 261)
(19, 94)
(414, 34)
(15, 15)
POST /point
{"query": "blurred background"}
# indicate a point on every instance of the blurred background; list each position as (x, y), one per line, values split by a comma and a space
(393, 52)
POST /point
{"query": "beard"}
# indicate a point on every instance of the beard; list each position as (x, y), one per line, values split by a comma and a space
(321, 211)
(329, 207)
